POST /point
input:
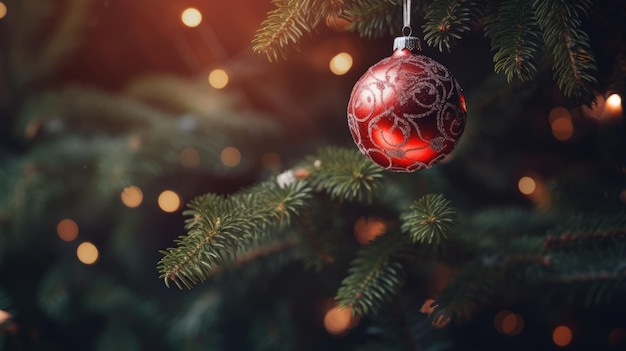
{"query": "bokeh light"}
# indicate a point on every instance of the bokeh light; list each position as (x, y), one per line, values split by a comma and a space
(189, 157)
(512, 324)
(612, 107)
(337, 321)
(498, 318)
(4, 316)
(509, 323)
(87, 253)
(526, 185)
(191, 17)
(230, 156)
(67, 230)
(132, 196)
(3, 10)
(367, 229)
(218, 78)
(559, 112)
(341, 63)
(562, 336)
(561, 123)
(169, 201)
(614, 101)
(562, 129)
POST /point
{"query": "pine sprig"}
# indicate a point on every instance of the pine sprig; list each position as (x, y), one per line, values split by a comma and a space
(374, 18)
(375, 275)
(516, 38)
(346, 174)
(447, 21)
(219, 228)
(574, 65)
(471, 289)
(287, 24)
(431, 221)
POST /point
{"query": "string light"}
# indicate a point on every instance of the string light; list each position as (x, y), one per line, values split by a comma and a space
(191, 17)
(169, 201)
(132, 196)
(604, 109)
(367, 229)
(4, 316)
(218, 78)
(613, 107)
(341, 63)
(230, 156)
(562, 336)
(3, 10)
(509, 323)
(189, 157)
(67, 230)
(512, 324)
(337, 321)
(561, 123)
(87, 253)
(614, 101)
(527, 185)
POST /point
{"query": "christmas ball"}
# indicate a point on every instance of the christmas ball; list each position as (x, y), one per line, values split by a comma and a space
(407, 112)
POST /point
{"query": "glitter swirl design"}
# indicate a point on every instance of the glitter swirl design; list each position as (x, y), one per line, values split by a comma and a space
(406, 112)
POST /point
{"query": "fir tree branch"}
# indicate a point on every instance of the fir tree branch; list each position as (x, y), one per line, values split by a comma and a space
(447, 21)
(287, 24)
(375, 275)
(574, 65)
(516, 39)
(471, 289)
(582, 238)
(315, 248)
(345, 174)
(431, 221)
(583, 230)
(374, 18)
(220, 228)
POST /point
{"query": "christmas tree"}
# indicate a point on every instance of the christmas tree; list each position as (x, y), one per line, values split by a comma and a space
(117, 114)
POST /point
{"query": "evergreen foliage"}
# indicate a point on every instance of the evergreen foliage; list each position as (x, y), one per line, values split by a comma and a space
(521, 31)
(431, 221)
(374, 18)
(515, 38)
(289, 22)
(219, 228)
(266, 260)
(574, 64)
(375, 275)
(447, 21)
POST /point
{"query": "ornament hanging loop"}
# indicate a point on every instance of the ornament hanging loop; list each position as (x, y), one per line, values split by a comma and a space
(407, 31)
(406, 16)
(407, 41)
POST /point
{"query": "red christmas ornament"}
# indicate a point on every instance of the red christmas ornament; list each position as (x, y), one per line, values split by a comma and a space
(406, 112)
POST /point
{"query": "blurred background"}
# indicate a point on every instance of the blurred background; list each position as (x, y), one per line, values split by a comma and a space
(114, 114)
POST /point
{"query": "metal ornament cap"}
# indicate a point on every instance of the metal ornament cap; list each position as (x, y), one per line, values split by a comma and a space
(412, 44)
